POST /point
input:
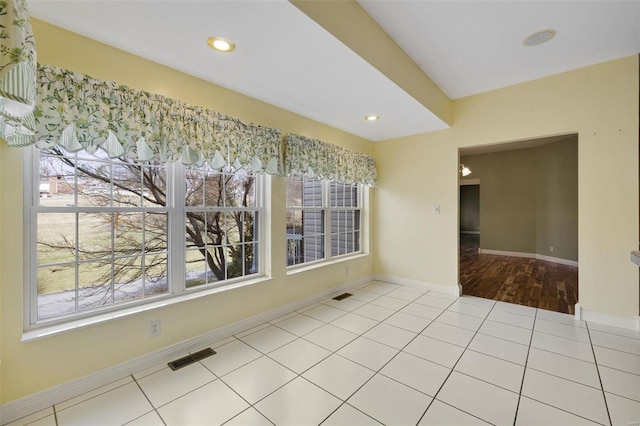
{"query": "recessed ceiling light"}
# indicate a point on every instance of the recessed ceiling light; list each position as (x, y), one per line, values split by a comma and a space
(221, 44)
(371, 117)
(538, 38)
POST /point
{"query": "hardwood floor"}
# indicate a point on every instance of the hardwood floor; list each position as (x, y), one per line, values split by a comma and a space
(529, 282)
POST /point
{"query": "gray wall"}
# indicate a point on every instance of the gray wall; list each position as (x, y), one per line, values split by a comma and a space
(529, 199)
(470, 208)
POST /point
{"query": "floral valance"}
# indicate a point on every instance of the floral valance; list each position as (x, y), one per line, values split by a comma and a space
(17, 71)
(317, 159)
(76, 112)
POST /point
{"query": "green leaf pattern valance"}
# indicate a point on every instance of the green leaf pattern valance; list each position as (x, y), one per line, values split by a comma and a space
(17, 72)
(316, 159)
(77, 112)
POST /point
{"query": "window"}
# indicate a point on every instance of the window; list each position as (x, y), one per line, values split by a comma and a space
(109, 233)
(314, 206)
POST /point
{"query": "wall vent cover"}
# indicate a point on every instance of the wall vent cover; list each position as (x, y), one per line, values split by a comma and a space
(190, 359)
(343, 296)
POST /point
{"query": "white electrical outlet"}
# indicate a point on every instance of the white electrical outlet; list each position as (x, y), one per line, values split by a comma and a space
(551, 249)
(154, 328)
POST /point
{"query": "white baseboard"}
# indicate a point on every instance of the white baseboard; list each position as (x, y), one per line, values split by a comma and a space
(608, 319)
(447, 289)
(30, 404)
(529, 256)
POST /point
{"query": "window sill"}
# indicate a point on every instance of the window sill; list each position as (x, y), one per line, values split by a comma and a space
(52, 330)
(292, 270)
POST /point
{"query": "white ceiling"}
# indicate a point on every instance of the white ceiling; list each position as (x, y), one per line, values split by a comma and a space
(465, 47)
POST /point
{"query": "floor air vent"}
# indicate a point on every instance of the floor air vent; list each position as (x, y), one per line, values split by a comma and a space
(342, 296)
(190, 359)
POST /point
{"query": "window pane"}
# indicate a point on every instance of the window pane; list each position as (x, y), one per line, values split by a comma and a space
(127, 185)
(196, 269)
(343, 195)
(155, 237)
(294, 191)
(235, 261)
(94, 235)
(154, 186)
(216, 228)
(194, 187)
(213, 188)
(156, 281)
(57, 182)
(56, 290)
(93, 187)
(56, 235)
(196, 229)
(128, 233)
(94, 285)
(239, 189)
(312, 193)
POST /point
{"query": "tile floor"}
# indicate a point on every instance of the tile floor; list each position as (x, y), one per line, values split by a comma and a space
(392, 355)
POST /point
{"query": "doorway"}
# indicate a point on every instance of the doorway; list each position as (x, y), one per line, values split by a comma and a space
(519, 229)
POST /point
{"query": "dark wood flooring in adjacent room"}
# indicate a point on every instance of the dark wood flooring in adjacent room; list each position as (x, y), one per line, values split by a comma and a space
(529, 282)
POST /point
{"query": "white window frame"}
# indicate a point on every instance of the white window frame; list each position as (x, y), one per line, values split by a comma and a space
(176, 254)
(328, 210)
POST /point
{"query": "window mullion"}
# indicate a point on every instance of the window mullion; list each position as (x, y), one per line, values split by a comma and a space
(176, 250)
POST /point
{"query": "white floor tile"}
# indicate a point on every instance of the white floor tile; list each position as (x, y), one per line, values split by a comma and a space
(469, 309)
(581, 400)
(437, 302)
(259, 378)
(624, 332)
(390, 335)
(503, 349)
(348, 304)
(534, 413)
(408, 322)
(460, 320)
(330, 337)
(249, 417)
(389, 302)
(147, 371)
(117, 406)
(346, 415)
(325, 313)
(477, 301)
(298, 403)
(381, 287)
(96, 392)
(496, 371)
(448, 333)
(443, 353)
(619, 360)
(416, 372)
(562, 366)
(390, 402)
(365, 296)
(620, 383)
(338, 376)
(481, 399)
(212, 404)
(423, 311)
(446, 296)
(405, 294)
(374, 312)
(355, 323)
(613, 341)
(229, 357)
(442, 414)
(167, 385)
(149, 419)
(45, 417)
(299, 355)
(506, 331)
(268, 339)
(299, 324)
(515, 309)
(560, 317)
(623, 411)
(562, 330)
(511, 318)
(368, 353)
(562, 346)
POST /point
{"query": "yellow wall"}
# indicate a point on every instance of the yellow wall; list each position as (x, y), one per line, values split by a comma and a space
(37, 365)
(599, 103)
